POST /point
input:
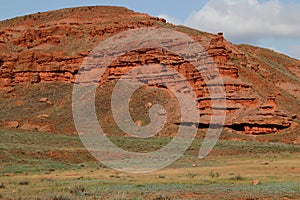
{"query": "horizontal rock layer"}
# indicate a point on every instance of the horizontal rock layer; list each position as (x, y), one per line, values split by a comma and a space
(50, 47)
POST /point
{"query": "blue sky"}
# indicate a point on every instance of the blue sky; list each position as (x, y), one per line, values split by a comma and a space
(179, 9)
(268, 23)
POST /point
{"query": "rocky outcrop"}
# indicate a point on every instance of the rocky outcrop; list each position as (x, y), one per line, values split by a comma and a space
(35, 50)
(50, 47)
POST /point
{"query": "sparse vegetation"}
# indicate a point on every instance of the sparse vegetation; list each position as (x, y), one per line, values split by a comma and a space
(233, 59)
(161, 176)
(214, 174)
(162, 197)
(61, 197)
(78, 190)
(237, 177)
(228, 168)
(191, 175)
(24, 182)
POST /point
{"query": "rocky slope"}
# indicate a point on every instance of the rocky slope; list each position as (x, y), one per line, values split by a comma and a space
(40, 55)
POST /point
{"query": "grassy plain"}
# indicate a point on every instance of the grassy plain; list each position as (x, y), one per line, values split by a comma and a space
(53, 166)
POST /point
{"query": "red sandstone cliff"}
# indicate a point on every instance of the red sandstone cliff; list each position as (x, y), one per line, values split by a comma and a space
(262, 86)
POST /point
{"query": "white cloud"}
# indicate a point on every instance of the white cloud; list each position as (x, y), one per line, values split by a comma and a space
(245, 21)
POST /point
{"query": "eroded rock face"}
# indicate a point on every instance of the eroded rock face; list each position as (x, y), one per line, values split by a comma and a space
(50, 47)
(35, 50)
(12, 124)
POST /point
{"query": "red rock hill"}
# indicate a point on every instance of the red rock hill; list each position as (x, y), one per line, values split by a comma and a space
(40, 55)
